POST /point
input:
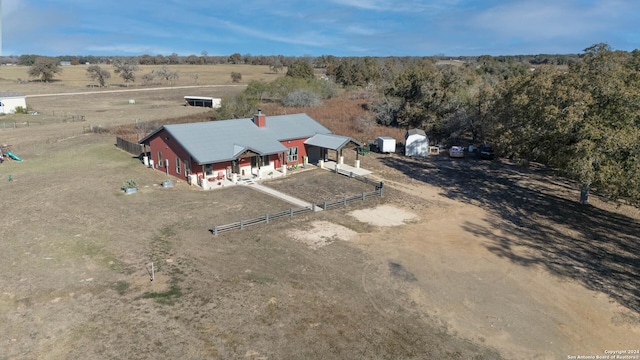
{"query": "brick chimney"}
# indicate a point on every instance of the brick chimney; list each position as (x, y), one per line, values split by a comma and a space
(259, 119)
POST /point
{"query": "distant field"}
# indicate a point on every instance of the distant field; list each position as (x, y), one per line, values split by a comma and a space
(75, 76)
(66, 115)
(72, 114)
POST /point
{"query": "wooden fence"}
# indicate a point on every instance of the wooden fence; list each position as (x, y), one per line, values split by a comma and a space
(12, 124)
(215, 230)
(346, 200)
(261, 220)
(130, 147)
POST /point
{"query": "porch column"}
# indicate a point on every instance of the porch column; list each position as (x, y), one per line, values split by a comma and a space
(283, 164)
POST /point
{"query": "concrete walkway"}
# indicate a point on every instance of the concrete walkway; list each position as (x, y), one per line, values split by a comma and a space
(331, 165)
(282, 196)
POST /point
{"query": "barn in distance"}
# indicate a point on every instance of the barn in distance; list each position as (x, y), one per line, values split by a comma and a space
(203, 101)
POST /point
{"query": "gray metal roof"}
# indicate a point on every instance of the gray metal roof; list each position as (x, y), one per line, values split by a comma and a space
(216, 141)
(416, 131)
(330, 141)
(294, 126)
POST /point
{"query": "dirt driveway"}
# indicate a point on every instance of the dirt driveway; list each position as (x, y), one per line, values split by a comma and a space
(508, 259)
(500, 255)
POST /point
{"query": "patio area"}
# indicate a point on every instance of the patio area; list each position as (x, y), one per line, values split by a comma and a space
(345, 169)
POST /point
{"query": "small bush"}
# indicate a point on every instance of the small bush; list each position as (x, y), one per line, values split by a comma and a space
(21, 110)
(121, 287)
(302, 98)
(129, 184)
(236, 77)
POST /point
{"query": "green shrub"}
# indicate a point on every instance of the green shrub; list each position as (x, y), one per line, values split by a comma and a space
(129, 184)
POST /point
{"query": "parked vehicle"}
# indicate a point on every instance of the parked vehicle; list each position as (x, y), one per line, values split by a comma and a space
(456, 152)
(486, 152)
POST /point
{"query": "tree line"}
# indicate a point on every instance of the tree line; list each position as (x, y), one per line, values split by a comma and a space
(578, 114)
(581, 117)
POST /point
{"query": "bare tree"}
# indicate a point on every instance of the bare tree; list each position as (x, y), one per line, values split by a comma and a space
(148, 78)
(166, 74)
(95, 72)
(127, 70)
(275, 64)
(236, 77)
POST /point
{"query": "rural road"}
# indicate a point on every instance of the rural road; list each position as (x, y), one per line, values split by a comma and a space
(129, 90)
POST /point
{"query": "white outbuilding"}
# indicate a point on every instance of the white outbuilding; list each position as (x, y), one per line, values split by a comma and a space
(10, 101)
(203, 101)
(416, 143)
(386, 144)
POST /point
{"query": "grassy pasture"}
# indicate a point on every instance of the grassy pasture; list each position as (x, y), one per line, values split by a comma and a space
(75, 76)
(78, 253)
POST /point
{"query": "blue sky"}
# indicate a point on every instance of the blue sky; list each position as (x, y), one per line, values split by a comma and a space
(329, 27)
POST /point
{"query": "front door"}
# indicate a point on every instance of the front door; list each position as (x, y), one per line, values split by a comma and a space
(314, 153)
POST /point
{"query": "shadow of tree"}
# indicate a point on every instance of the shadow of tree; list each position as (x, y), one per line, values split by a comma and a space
(541, 222)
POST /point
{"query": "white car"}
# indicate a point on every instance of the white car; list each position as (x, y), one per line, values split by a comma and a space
(456, 152)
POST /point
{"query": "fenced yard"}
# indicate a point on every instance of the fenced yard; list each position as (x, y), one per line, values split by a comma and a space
(324, 205)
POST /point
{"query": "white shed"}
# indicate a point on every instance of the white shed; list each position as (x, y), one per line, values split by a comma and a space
(416, 143)
(386, 144)
(10, 101)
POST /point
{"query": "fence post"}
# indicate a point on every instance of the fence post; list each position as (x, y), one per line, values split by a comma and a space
(363, 196)
(324, 206)
(241, 225)
(344, 201)
(215, 230)
(267, 218)
(313, 207)
(291, 212)
(381, 187)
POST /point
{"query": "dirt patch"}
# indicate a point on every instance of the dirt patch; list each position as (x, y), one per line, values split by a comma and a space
(384, 215)
(323, 233)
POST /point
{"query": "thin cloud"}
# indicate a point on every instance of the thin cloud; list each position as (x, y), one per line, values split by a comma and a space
(395, 6)
(335, 27)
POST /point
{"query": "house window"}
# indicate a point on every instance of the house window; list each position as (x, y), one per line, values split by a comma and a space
(159, 159)
(292, 154)
(208, 170)
(177, 166)
(265, 160)
(187, 167)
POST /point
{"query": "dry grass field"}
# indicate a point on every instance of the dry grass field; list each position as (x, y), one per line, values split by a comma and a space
(77, 251)
(492, 261)
(74, 77)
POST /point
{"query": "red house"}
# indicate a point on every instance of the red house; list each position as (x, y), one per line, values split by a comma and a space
(217, 152)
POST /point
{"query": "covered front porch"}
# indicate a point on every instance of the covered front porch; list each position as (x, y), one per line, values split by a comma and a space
(247, 167)
(220, 181)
